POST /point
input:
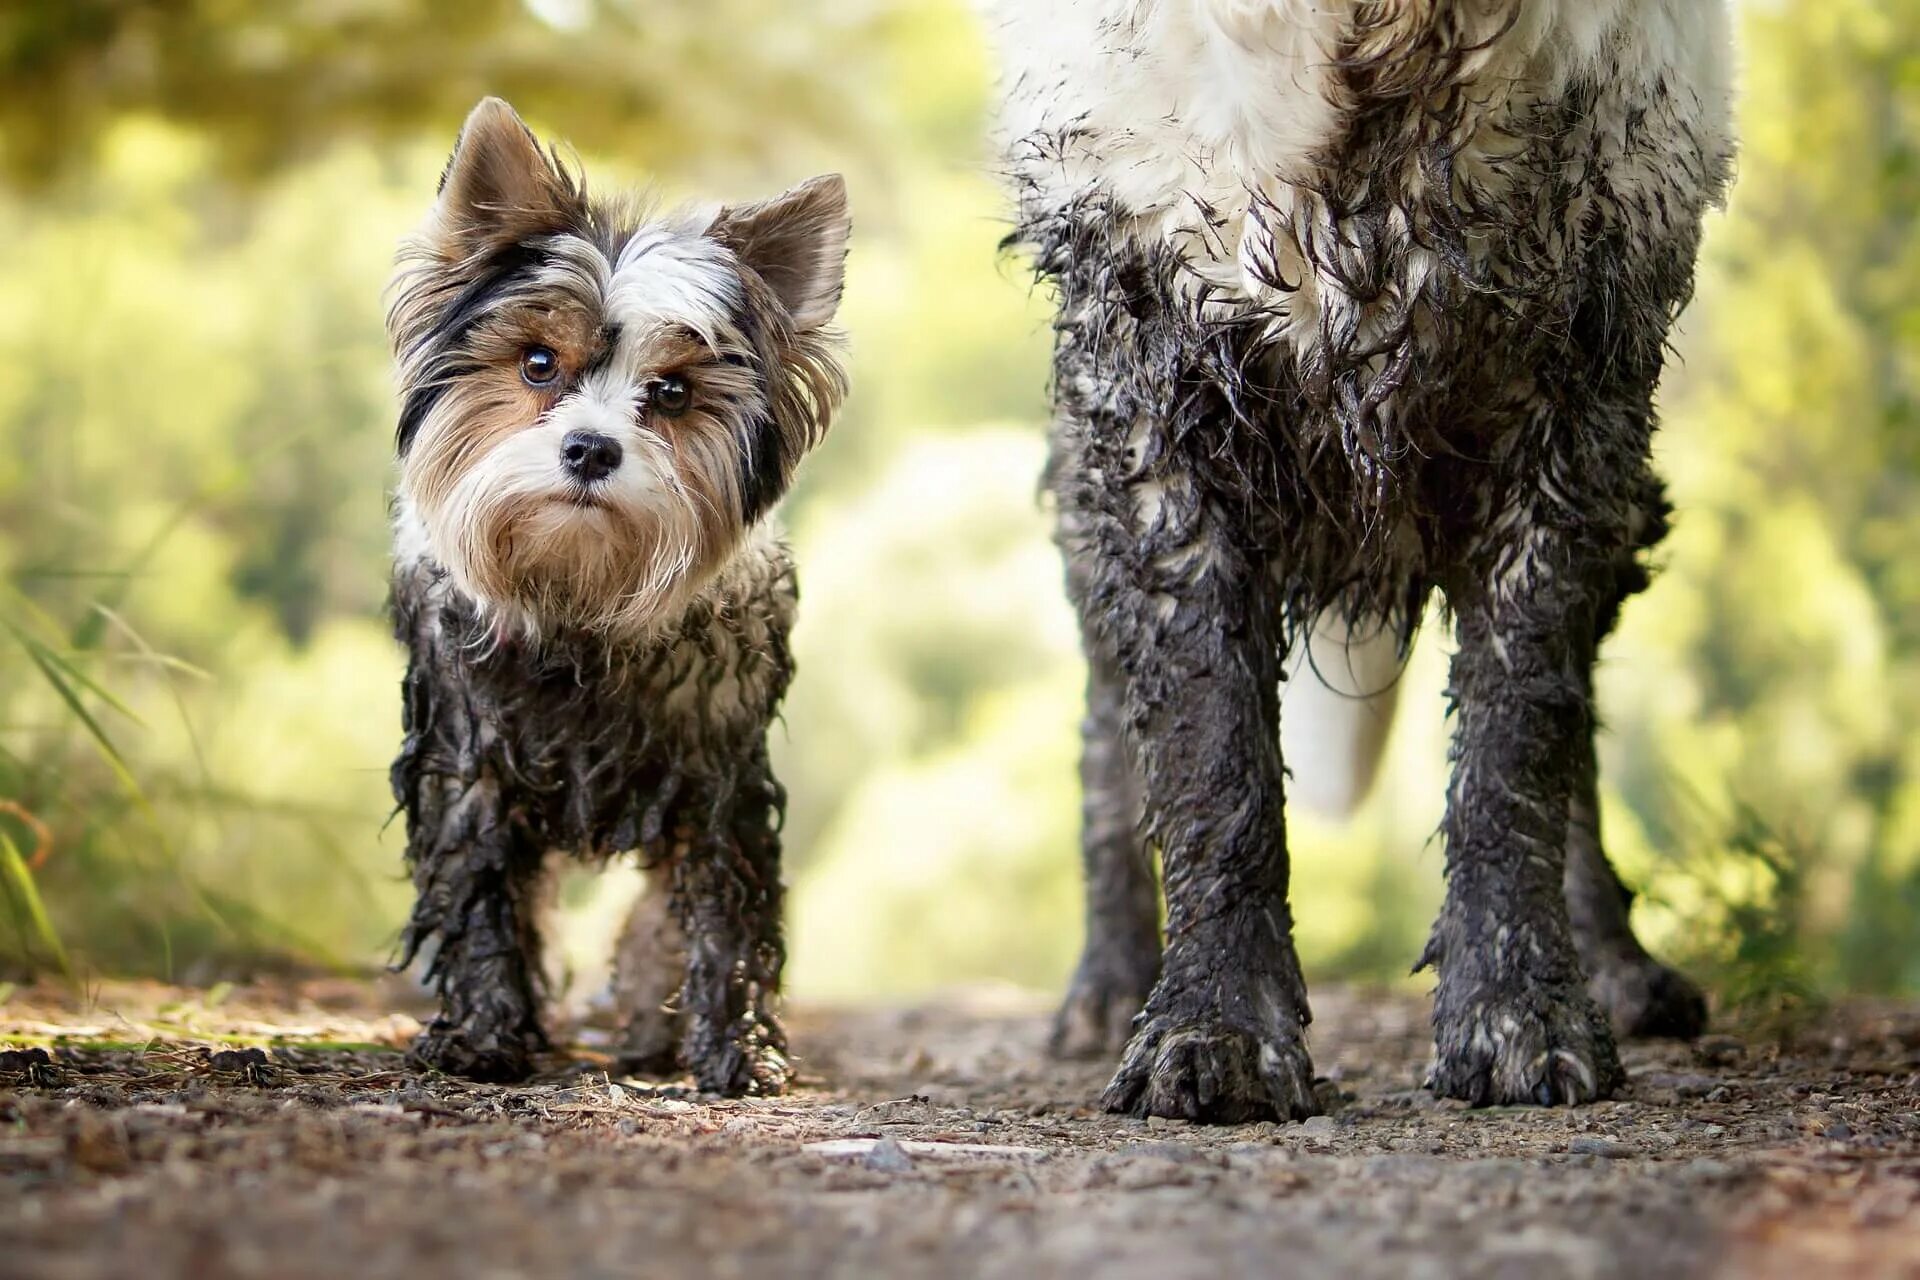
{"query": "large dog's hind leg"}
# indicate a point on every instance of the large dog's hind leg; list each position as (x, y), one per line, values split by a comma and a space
(1121, 953)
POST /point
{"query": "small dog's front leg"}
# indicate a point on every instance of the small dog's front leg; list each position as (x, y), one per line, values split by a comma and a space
(477, 877)
(727, 894)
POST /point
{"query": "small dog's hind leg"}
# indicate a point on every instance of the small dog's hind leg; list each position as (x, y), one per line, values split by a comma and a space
(648, 969)
(727, 895)
(1121, 955)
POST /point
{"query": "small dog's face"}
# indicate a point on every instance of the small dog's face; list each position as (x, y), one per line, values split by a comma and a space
(599, 402)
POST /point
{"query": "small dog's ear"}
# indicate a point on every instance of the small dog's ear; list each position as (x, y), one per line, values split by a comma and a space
(797, 243)
(499, 185)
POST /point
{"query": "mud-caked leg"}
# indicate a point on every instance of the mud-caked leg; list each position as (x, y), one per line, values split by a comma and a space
(1121, 954)
(1222, 1035)
(478, 880)
(1513, 1022)
(1641, 996)
(647, 972)
(727, 896)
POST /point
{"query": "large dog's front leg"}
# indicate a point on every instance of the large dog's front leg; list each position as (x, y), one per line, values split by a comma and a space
(727, 895)
(1513, 1021)
(1222, 1035)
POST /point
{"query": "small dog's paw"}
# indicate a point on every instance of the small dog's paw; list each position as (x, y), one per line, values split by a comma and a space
(655, 1062)
(1096, 1019)
(650, 1045)
(453, 1051)
(1544, 1047)
(1645, 1000)
(1204, 1070)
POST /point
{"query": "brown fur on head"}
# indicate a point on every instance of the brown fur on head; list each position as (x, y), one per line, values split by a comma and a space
(600, 400)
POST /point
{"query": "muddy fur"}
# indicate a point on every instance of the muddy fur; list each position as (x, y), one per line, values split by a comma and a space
(513, 748)
(1417, 355)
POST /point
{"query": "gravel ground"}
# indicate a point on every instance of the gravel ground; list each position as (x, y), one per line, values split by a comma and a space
(275, 1132)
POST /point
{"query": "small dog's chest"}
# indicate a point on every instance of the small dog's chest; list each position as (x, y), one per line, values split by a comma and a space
(600, 738)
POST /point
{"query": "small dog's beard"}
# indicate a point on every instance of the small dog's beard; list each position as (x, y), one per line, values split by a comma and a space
(542, 552)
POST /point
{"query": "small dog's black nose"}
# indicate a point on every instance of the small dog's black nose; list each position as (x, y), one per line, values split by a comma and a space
(590, 456)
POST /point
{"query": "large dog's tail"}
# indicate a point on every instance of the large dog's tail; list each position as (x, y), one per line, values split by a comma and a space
(1335, 710)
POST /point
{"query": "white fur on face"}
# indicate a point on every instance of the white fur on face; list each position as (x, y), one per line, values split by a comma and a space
(521, 534)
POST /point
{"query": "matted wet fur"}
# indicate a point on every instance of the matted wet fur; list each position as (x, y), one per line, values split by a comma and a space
(1357, 302)
(600, 404)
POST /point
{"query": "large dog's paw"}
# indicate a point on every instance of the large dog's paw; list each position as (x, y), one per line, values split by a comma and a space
(1202, 1069)
(1545, 1046)
(1096, 1019)
(1645, 1000)
(498, 1059)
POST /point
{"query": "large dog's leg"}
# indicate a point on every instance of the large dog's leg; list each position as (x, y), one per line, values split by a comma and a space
(477, 876)
(1512, 1018)
(1641, 996)
(647, 972)
(1121, 954)
(1222, 1035)
(727, 895)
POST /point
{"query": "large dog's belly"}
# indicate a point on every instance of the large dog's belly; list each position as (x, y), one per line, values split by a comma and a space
(1406, 238)
(1328, 162)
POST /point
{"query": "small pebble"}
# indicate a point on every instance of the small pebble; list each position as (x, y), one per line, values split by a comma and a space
(1602, 1147)
(888, 1156)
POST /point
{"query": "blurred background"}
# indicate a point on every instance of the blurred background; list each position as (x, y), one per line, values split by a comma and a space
(198, 693)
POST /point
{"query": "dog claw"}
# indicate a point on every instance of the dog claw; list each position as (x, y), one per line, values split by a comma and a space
(1214, 1074)
(1547, 1050)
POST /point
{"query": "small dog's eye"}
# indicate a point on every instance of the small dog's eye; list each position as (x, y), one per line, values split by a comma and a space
(671, 396)
(539, 366)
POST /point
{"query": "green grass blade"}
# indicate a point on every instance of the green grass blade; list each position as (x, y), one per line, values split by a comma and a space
(19, 878)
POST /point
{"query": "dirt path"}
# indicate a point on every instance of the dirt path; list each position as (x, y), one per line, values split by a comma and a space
(931, 1142)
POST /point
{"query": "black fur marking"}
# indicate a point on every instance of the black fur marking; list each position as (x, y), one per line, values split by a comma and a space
(765, 470)
(449, 333)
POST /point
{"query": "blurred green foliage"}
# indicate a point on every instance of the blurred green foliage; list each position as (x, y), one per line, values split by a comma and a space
(197, 689)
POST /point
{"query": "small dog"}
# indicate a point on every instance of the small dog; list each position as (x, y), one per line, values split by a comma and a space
(600, 404)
